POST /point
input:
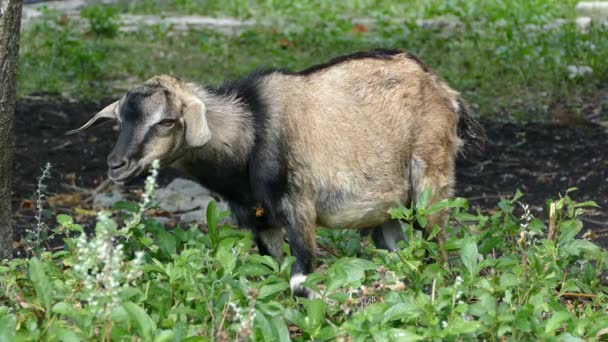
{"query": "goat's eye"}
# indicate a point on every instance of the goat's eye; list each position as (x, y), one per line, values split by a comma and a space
(167, 122)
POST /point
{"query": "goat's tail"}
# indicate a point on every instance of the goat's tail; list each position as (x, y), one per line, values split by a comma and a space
(469, 130)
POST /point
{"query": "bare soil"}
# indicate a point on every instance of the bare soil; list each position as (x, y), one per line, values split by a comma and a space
(540, 159)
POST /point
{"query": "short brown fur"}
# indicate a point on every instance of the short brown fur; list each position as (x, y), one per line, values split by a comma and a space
(352, 140)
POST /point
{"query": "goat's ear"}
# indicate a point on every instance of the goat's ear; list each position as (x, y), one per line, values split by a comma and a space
(195, 119)
(109, 112)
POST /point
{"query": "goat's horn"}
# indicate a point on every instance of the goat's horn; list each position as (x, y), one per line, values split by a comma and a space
(108, 112)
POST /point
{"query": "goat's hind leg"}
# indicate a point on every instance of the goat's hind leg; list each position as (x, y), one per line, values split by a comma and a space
(387, 235)
(438, 177)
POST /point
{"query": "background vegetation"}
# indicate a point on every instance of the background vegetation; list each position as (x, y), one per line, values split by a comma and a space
(511, 60)
(511, 276)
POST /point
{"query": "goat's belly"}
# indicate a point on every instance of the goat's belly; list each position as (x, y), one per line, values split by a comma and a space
(356, 214)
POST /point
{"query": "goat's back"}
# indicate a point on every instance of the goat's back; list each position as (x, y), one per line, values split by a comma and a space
(356, 126)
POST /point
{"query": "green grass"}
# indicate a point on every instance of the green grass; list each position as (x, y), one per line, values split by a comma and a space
(500, 59)
(511, 277)
(319, 10)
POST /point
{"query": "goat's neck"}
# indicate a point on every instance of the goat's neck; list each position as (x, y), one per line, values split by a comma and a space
(232, 132)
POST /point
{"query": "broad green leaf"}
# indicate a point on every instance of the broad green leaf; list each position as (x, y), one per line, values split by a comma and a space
(355, 268)
(556, 321)
(144, 325)
(468, 255)
(586, 204)
(286, 264)
(327, 333)
(463, 217)
(67, 311)
(41, 283)
(422, 220)
(583, 246)
(566, 337)
(568, 230)
(436, 229)
(401, 213)
(60, 333)
(265, 260)
(280, 332)
(508, 280)
(167, 242)
(295, 317)
(315, 310)
(347, 271)
(64, 219)
(262, 328)
(423, 201)
(226, 256)
(397, 335)
(164, 336)
(196, 339)
(401, 311)
(252, 269)
(272, 289)
(8, 326)
(458, 202)
(271, 308)
(459, 326)
(181, 234)
(212, 226)
(129, 206)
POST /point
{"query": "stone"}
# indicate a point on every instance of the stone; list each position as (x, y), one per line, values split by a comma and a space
(583, 23)
(107, 199)
(188, 200)
(593, 9)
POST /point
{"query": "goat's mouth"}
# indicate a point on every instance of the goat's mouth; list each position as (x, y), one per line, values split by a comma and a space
(122, 175)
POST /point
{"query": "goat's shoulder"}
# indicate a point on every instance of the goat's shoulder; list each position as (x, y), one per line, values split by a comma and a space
(267, 166)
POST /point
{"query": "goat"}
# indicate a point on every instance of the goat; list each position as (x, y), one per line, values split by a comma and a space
(336, 145)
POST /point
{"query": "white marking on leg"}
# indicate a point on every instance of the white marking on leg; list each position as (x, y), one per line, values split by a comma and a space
(296, 281)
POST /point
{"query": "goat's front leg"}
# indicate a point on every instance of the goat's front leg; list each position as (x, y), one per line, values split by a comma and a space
(300, 224)
(269, 241)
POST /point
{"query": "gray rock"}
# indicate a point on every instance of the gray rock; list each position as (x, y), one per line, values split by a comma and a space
(583, 23)
(593, 9)
(107, 199)
(188, 200)
(133, 22)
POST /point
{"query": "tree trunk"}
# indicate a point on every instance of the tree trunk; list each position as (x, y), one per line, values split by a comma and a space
(10, 24)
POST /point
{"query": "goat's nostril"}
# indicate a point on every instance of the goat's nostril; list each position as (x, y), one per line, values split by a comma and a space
(117, 164)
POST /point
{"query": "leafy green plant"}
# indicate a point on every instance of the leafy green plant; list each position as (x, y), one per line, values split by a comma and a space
(508, 61)
(37, 236)
(511, 276)
(103, 20)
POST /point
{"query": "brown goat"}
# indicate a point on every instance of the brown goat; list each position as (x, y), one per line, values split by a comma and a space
(335, 145)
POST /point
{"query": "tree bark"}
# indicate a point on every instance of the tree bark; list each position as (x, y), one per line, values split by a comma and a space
(10, 24)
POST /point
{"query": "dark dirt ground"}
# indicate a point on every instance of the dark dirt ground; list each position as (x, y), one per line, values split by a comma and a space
(540, 159)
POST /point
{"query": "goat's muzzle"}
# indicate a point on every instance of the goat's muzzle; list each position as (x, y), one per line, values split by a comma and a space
(120, 169)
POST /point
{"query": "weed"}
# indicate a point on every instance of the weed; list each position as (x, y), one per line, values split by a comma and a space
(513, 62)
(38, 235)
(103, 20)
(511, 277)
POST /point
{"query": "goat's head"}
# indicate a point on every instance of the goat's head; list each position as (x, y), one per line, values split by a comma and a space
(158, 120)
